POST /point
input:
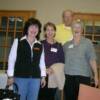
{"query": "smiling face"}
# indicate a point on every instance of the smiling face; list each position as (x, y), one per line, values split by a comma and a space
(77, 29)
(50, 32)
(33, 31)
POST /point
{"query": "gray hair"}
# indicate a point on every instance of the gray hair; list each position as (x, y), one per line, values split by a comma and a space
(78, 22)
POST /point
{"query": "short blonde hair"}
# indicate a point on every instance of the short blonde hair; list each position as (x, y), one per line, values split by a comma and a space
(51, 25)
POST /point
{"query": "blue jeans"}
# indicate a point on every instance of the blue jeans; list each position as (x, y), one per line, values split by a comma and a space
(28, 88)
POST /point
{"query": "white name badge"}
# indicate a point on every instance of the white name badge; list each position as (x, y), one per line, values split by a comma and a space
(71, 46)
(53, 50)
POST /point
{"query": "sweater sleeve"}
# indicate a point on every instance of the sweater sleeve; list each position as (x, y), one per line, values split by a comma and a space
(61, 54)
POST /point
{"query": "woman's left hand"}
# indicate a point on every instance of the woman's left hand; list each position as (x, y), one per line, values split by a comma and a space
(43, 82)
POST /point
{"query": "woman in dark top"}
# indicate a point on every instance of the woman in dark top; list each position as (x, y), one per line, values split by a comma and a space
(26, 64)
(53, 54)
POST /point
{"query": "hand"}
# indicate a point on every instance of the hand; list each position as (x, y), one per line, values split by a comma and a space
(10, 81)
(96, 81)
(49, 71)
(43, 82)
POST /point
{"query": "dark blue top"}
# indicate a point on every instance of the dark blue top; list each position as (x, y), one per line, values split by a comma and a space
(53, 53)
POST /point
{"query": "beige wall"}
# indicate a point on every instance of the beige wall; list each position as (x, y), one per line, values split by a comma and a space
(51, 10)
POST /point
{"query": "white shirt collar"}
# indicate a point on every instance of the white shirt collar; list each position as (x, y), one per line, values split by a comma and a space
(36, 41)
(25, 37)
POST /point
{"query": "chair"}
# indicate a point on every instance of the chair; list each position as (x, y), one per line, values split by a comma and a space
(88, 93)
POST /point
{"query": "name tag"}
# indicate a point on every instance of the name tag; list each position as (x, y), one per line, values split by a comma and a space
(53, 50)
(36, 49)
(71, 46)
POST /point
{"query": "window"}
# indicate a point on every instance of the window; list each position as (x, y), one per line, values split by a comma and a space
(11, 26)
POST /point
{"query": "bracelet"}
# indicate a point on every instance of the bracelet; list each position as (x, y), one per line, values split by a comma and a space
(43, 77)
(9, 77)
